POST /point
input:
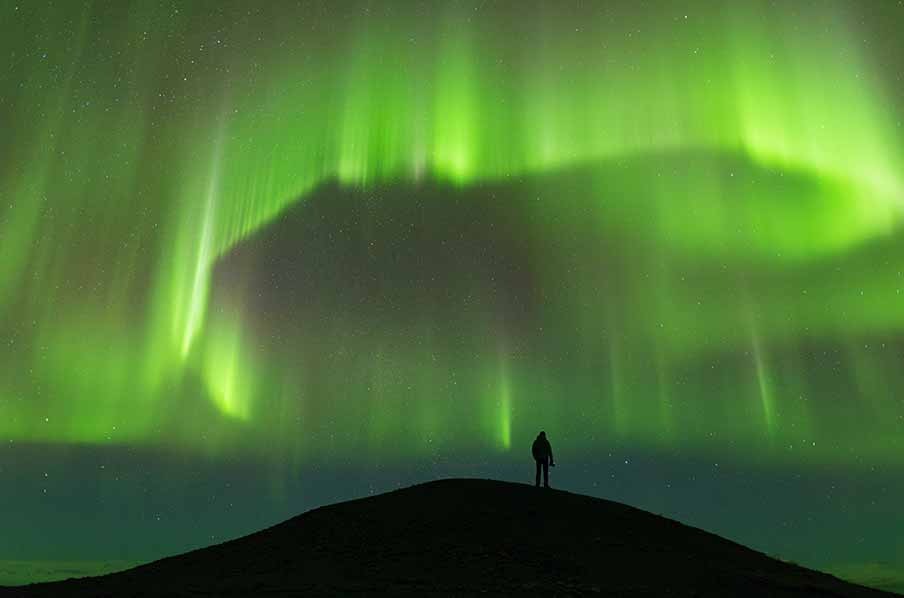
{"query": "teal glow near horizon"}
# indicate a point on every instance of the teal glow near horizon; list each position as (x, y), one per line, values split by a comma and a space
(733, 161)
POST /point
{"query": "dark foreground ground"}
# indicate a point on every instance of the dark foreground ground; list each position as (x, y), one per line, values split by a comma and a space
(462, 538)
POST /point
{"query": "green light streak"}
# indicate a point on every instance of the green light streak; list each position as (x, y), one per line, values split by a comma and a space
(226, 366)
(505, 411)
(762, 378)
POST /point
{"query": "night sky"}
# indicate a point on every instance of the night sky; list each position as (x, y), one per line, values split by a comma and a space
(258, 257)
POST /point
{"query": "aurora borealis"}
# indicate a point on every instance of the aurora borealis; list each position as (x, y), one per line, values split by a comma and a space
(297, 238)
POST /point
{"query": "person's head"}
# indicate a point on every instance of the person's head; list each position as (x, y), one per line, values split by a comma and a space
(542, 434)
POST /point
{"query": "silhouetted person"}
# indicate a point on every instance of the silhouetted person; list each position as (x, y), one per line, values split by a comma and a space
(542, 452)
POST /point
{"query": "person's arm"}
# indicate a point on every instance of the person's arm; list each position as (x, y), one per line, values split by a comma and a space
(552, 461)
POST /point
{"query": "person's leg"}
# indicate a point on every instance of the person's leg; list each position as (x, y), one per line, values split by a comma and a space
(538, 474)
(546, 474)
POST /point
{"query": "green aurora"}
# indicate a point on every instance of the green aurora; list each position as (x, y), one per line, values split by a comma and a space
(742, 166)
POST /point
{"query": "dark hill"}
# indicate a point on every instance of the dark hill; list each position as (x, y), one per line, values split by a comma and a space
(467, 537)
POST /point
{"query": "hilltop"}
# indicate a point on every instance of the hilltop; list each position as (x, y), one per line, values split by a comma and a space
(467, 537)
